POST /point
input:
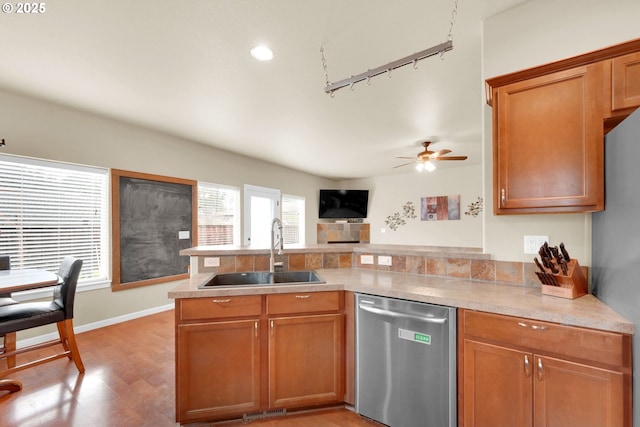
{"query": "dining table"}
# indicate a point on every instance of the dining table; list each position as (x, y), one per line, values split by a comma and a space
(23, 280)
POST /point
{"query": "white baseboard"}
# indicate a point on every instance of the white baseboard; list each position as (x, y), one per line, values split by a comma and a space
(95, 325)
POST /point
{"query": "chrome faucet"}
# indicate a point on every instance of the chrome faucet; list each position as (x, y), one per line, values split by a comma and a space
(280, 244)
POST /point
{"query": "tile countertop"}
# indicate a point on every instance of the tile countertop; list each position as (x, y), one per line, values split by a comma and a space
(365, 248)
(522, 301)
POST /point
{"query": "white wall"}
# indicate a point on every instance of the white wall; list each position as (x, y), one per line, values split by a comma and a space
(535, 33)
(389, 193)
(43, 130)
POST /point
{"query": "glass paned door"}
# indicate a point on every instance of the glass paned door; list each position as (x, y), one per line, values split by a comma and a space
(261, 205)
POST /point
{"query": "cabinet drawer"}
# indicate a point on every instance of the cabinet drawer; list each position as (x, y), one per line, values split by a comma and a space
(303, 302)
(545, 337)
(219, 307)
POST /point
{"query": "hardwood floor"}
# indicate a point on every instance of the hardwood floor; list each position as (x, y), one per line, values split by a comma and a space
(129, 382)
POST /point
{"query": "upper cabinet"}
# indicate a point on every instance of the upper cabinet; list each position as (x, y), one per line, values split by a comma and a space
(548, 143)
(549, 124)
(625, 84)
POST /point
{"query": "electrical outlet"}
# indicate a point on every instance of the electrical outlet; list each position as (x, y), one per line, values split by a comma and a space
(212, 262)
(532, 243)
(384, 260)
(366, 259)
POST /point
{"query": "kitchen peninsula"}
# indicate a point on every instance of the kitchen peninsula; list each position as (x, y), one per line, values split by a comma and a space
(581, 333)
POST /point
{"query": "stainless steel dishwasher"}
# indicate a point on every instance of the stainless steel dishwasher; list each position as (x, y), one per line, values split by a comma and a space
(405, 362)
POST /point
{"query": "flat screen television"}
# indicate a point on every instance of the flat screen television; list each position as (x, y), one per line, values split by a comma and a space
(343, 204)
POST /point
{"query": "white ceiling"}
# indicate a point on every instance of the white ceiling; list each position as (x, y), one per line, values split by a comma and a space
(183, 67)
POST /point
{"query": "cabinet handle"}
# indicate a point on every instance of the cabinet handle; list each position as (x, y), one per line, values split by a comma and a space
(272, 328)
(540, 369)
(255, 328)
(221, 300)
(303, 296)
(534, 327)
(527, 369)
(503, 196)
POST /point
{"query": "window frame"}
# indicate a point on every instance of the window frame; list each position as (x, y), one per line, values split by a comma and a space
(301, 200)
(103, 257)
(237, 220)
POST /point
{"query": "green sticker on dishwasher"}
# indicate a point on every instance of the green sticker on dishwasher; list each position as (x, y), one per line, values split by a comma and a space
(406, 334)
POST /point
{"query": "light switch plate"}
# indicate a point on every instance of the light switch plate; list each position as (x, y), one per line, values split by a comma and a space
(532, 243)
(384, 260)
(212, 261)
(366, 259)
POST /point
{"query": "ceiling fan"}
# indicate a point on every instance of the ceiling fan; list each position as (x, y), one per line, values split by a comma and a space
(424, 159)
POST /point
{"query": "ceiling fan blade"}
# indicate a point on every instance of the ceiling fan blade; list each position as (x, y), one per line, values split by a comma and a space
(451, 158)
(426, 155)
(404, 164)
(440, 153)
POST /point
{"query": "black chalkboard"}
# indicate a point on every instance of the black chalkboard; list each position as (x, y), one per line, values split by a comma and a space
(153, 219)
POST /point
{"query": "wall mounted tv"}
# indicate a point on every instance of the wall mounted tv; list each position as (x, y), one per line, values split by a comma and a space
(343, 203)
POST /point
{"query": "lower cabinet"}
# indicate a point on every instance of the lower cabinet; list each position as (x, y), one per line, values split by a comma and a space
(244, 354)
(218, 369)
(546, 375)
(305, 360)
(497, 392)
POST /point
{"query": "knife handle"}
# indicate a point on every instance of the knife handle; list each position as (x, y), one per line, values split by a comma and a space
(547, 251)
(563, 266)
(565, 254)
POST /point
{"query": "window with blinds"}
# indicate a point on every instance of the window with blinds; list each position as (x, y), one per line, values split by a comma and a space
(218, 214)
(49, 210)
(293, 217)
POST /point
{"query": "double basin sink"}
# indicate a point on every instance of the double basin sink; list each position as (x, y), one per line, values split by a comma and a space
(261, 278)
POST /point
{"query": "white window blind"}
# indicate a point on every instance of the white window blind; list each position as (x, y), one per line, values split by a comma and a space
(218, 214)
(49, 210)
(293, 219)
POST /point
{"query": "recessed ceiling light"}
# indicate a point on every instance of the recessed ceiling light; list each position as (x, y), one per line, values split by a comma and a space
(262, 53)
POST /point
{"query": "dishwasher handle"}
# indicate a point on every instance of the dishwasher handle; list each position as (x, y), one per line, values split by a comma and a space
(395, 314)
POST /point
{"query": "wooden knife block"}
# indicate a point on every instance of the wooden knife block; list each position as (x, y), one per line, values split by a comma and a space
(572, 286)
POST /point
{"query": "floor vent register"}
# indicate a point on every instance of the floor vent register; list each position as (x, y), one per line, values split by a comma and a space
(264, 415)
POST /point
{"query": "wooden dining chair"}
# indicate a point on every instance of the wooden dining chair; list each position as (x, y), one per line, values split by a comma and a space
(59, 310)
(5, 264)
(8, 340)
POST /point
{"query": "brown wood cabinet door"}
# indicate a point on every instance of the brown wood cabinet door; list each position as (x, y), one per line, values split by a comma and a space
(497, 386)
(625, 75)
(217, 369)
(569, 394)
(549, 143)
(305, 360)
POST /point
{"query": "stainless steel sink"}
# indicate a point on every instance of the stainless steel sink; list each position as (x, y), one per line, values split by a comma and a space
(259, 278)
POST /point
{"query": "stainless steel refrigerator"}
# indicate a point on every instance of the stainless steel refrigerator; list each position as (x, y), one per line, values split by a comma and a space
(616, 234)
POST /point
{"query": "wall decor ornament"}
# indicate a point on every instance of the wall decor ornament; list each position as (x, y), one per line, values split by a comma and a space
(475, 208)
(440, 208)
(398, 219)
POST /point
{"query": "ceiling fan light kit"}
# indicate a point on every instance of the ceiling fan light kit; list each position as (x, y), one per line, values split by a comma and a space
(427, 165)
